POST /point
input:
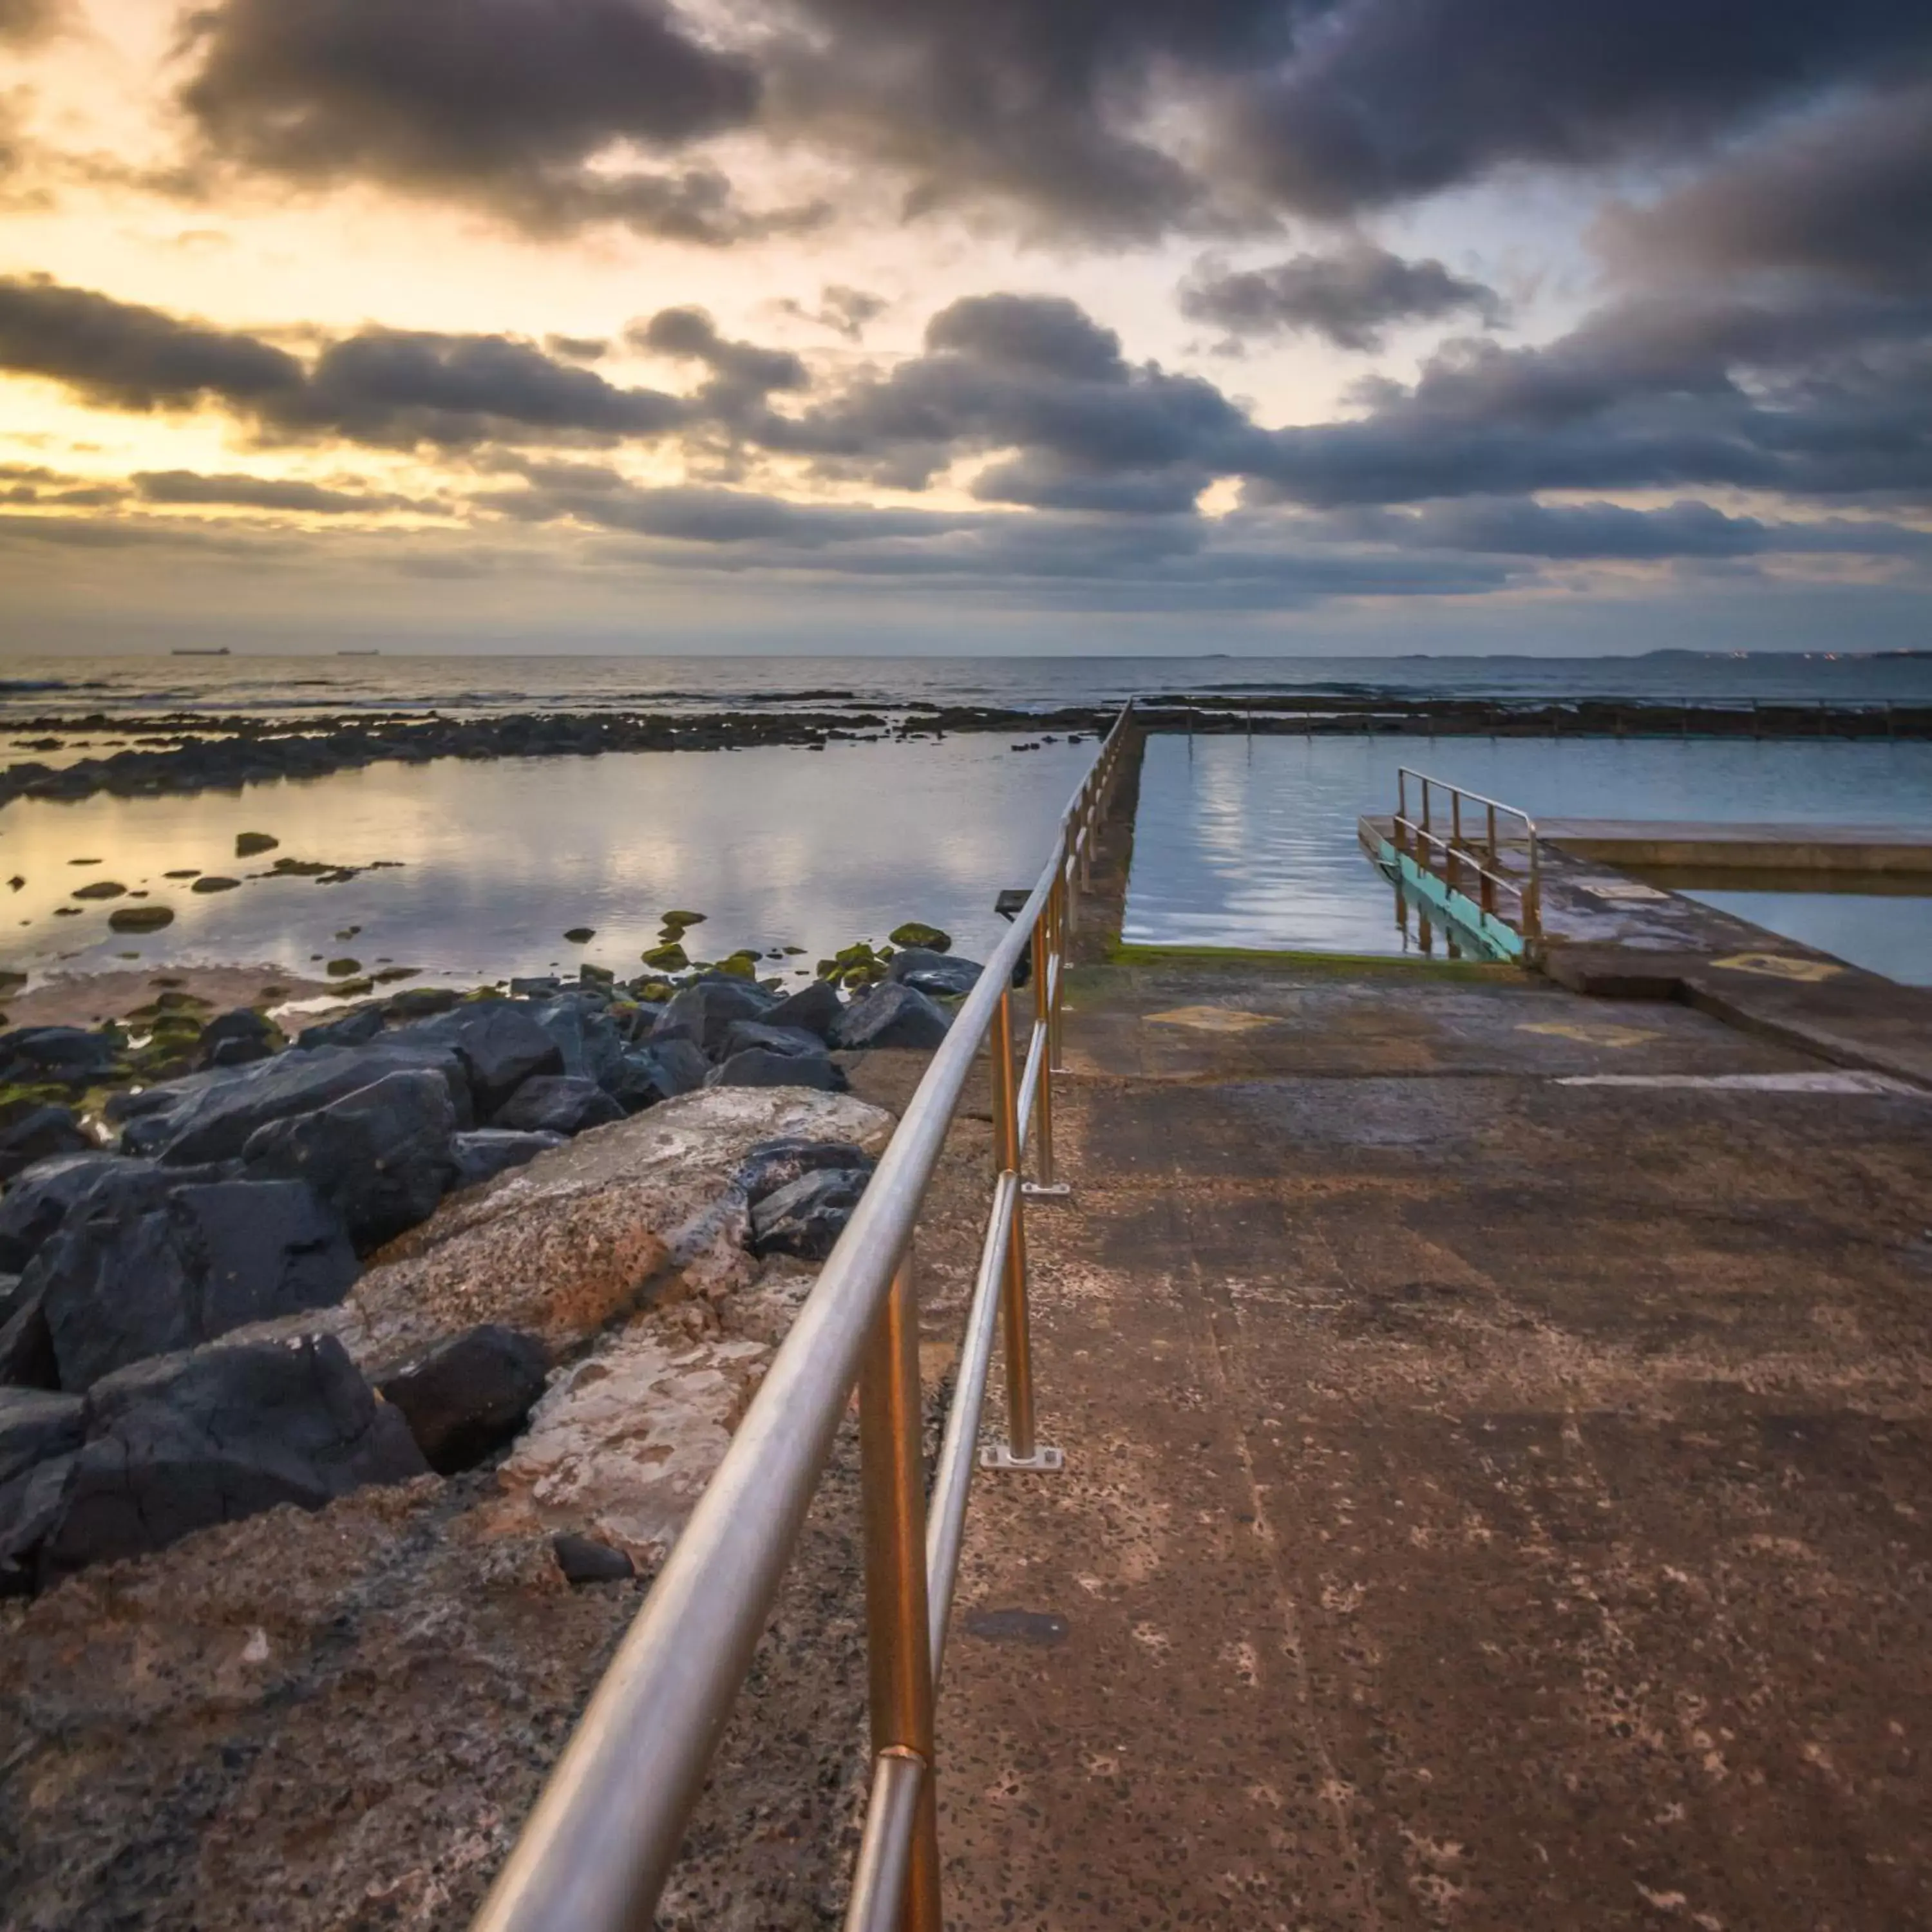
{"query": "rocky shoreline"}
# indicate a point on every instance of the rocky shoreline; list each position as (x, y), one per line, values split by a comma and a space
(190, 753)
(241, 1270)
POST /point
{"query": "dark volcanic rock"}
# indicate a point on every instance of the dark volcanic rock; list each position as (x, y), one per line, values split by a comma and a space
(26, 1346)
(891, 1015)
(775, 1164)
(355, 1029)
(500, 1044)
(30, 1506)
(742, 1035)
(558, 1103)
(236, 1039)
(380, 1156)
(760, 1066)
(37, 1134)
(815, 1008)
(119, 1287)
(704, 1012)
(55, 1053)
(588, 1039)
(806, 1216)
(469, 1395)
(210, 1117)
(41, 1199)
(216, 1434)
(659, 1072)
(34, 1424)
(937, 975)
(583, 1559)
(486, 1152)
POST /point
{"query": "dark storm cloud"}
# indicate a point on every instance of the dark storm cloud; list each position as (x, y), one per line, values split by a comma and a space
(1845, 196)
(1326, 107)
(1352, 296)
(1030, 374)
(173, 486)
(743, 374)
(381, 386)
(1386, 99)
(1810, 392)
(507, 102)
(128, 357)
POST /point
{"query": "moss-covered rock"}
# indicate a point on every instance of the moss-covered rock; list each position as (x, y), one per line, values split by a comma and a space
(341, 969)
(101, 889)
(213, 882)
(247, 844)
(913, 933)
(681, 919)
(669, 957)
(581, 935)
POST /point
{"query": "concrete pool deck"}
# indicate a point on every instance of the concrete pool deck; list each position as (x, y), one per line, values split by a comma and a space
(1499, 1433)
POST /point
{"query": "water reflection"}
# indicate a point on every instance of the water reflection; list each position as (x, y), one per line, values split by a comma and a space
(779, 846)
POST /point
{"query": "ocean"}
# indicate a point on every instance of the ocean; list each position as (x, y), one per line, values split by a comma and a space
(293, 687)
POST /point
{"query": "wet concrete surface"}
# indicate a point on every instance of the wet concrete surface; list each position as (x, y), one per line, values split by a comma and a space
(1491, 1501)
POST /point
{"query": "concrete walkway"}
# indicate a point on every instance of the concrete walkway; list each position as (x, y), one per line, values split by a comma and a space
(1500, 1488)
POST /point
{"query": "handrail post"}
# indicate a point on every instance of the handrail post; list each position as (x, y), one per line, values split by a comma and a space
(1021, 1451)
(898, 1647)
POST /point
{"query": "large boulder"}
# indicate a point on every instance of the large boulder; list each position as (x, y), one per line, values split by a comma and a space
(891, 1015)
(211, 1435)
(760, 1066)
(41, 1198)
(777, 1163)
(64, 1055)
(117, 1287)
(622, 1444)
(937, 975)
(355, 1029)
(35, 1424)
(26, 1346)
(558, 1103)
(804, 1218)
(647, 1211)
(661, 1071)
(741, 1035)
(469, 1396)
(501, 1044)
(705, 1011)
(483, 1152)
(237, 1039)
(588, 1040)
(211, 1116)
(815, 1008)
(39, 1133)
(380, 1156)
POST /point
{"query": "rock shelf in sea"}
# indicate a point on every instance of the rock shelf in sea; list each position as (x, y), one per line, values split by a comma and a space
(181, 753)
(239, 1269)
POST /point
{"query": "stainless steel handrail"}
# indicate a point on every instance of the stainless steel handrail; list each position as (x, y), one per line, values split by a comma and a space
(596, 1851)
(1418, 839)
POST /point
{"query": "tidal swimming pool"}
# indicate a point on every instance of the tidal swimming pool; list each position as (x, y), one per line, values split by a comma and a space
(1251, 841)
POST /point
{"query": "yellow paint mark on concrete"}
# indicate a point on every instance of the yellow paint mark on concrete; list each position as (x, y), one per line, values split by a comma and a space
(1779, 966)
(1591, 1033)
(1211, 1019)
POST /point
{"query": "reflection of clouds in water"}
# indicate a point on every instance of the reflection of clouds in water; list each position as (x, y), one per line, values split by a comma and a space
(1252, 843)
(778, 845)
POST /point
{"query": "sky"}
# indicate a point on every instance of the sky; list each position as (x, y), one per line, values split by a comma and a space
(1333, 326)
